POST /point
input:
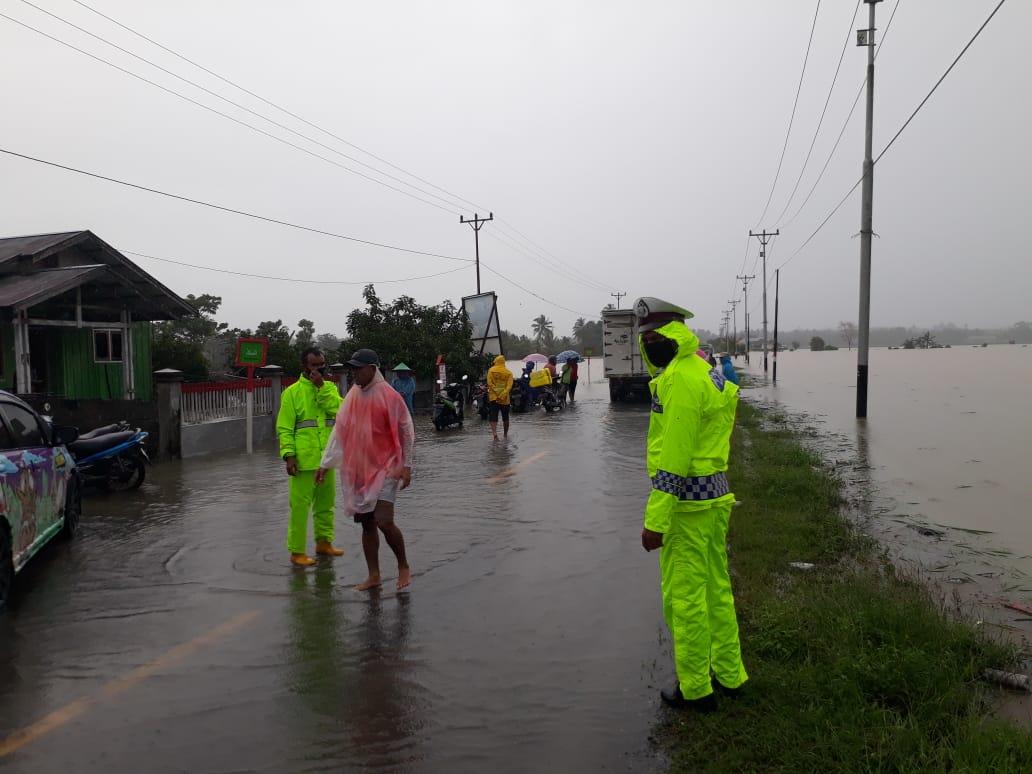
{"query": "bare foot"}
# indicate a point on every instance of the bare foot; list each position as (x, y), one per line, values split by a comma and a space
(369, 583)
(404, 578)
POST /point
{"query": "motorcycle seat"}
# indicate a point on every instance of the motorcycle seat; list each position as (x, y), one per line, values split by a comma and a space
(105, 430)
(86, 447)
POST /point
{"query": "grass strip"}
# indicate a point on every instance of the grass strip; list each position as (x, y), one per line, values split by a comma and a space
(853, 667)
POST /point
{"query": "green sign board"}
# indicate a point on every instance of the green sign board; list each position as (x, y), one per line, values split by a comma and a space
(588, 352)
(251, 352)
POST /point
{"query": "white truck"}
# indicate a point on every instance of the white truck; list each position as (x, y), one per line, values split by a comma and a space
(621, 358)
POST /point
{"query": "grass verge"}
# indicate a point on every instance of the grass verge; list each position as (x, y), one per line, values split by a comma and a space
(853, 667)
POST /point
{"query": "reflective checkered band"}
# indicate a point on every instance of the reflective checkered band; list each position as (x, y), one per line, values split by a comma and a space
(691, 487)
(313, 423)
(717, 378)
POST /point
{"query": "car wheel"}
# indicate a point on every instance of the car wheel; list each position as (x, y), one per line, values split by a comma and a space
(6, 564)
(73, 508)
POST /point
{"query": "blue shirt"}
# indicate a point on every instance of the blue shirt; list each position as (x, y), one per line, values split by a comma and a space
(406, 387)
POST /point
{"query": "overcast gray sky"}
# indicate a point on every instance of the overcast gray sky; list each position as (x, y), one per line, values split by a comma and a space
(636, 143)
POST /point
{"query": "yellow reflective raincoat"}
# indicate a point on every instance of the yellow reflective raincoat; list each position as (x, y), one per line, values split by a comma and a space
(693, 414)
(499, 382)
(304, 426)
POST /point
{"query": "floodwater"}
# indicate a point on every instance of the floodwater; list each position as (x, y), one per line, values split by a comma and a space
(172, 635)
(939, 469)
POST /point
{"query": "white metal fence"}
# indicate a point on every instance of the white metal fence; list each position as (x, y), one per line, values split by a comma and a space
(217, 401)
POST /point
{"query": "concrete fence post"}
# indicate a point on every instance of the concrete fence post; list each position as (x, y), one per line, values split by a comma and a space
(169, 384)
(341, 370)
(274, 374)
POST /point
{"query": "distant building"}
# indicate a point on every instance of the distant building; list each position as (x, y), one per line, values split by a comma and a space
(75, 318)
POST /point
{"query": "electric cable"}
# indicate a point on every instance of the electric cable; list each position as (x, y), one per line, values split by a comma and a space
(275, 105)
(791, 119)
(217, 112)
(290, 279)
(231, 210)
(824, 111)
(845, 124)
(898, 133)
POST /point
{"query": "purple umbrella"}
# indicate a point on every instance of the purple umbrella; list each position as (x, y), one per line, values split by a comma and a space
(537, 357)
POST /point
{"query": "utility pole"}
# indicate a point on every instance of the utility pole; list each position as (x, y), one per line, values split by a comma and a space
(477, 223)
(777, 273)
(866, 38)
(745, 289)
(618, 296)
(726, 323)
(734, 318)
(764, 237)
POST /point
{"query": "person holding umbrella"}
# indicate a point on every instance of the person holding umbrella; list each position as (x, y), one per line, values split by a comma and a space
(569, 359)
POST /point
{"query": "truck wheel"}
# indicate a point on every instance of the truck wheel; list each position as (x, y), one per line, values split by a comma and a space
(614, 392)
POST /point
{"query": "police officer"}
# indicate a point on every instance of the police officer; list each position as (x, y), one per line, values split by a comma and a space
(693, 413)
(308, 409)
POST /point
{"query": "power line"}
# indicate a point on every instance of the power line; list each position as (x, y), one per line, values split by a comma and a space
(791, 120)
(540, 297)
(231, 210)
(558, 262)
(291, 279)
(217, 112)
(859, 93)
(936, 86)
(898, 133)
(516, 247)
(820, 122)
(278, 107)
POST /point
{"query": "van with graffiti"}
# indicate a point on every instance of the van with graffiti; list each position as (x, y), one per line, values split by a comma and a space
(40, 491)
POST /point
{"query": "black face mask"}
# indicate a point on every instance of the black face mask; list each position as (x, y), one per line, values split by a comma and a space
(660, 353)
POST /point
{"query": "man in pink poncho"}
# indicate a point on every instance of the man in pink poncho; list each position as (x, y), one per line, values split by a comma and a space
(371, 445)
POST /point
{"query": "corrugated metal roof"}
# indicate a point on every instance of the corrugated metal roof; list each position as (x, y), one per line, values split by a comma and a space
(13, 247)
(25, 256)
(24, 290)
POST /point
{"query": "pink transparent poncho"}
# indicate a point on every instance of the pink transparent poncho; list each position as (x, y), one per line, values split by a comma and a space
(372, 441)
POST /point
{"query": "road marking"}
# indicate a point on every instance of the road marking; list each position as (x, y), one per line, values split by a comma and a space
(70, 712)
(510, 472)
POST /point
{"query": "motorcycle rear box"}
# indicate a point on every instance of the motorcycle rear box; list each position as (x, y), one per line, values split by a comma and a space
(540, 378)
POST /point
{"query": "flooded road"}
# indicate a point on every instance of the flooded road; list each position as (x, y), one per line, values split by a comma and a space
(172, 635)
(943, 458)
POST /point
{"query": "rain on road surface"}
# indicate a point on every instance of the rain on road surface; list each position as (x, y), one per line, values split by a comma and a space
(172, 635)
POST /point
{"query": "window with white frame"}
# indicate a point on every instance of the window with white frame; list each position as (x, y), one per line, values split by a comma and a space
(107, 345)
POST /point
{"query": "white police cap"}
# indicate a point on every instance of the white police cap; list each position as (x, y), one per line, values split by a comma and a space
(654, 313)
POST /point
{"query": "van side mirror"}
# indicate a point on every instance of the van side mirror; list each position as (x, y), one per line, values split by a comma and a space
(65, 434)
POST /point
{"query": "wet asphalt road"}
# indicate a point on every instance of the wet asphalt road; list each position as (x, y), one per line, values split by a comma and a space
(172, 635)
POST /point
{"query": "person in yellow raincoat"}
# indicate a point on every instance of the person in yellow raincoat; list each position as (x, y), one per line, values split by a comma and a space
(308, 410)
(499, 387)
(693, 414)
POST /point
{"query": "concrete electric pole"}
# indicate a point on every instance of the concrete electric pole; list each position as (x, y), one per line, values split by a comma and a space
(734, 319)
(745, 289)
(764, 237)
(477, 223)
(866, 38)
(618, 296)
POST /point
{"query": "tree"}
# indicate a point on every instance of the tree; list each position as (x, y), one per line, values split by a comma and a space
(848, 331)
(407, 331)
(542, 330)
(925, 341)
(304, 337)
(180, 344)
(817, 344)
(578, 326)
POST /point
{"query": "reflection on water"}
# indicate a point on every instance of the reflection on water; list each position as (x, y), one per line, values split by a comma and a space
(940, 461)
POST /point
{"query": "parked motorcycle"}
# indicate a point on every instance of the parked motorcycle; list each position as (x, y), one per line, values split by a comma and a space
(478, 399)
(111, 457)
(448, 404)
(553, 398)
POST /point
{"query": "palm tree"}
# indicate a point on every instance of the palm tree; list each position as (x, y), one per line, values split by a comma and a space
(578, 329)
(542, 328)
